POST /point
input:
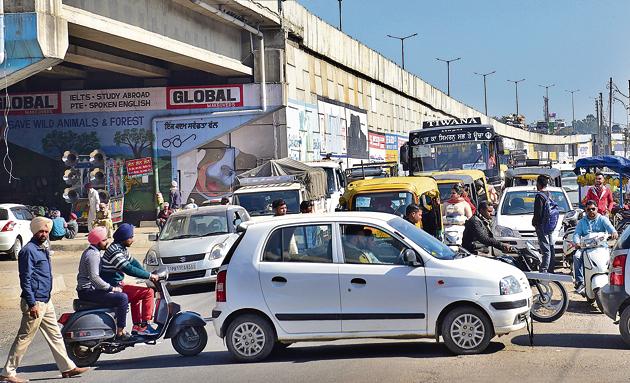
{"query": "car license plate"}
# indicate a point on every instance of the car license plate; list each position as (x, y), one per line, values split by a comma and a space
(180, 268)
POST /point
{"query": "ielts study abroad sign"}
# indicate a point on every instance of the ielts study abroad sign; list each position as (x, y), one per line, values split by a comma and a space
(202, 97)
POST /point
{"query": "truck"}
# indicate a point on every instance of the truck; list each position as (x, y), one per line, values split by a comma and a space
(286, 179)
(336, 181)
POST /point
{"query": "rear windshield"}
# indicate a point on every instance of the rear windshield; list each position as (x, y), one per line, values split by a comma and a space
(389, 202)
(522, 202)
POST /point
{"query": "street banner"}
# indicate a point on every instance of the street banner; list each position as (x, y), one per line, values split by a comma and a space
(139, 167)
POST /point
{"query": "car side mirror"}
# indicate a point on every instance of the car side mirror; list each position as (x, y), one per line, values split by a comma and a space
(153, 237)
(411, 258)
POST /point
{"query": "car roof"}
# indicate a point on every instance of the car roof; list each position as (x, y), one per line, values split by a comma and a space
(314, 217)
(529, 188)
(208, 209)
(10, 205)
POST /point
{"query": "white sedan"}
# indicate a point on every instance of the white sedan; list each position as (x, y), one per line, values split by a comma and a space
(15, 228)
(360, 275)
(516, 210)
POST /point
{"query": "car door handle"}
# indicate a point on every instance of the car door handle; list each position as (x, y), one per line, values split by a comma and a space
(279, 279)
(358, 281)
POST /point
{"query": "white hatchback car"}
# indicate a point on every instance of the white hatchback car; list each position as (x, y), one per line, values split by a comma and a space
(359, 275)
(516, 210)
(15, 228)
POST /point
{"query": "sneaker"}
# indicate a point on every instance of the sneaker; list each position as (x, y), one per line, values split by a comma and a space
(124, 337)
(147, 330)
(580, 289)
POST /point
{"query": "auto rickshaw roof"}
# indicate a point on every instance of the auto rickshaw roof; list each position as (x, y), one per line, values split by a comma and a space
(417, 185)
(615, 163)
(532, 171)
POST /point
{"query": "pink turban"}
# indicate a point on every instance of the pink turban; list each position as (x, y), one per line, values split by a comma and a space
(97, 235)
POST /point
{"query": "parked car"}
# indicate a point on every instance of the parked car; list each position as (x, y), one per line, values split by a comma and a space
(360, 275)
(615, 296)
(15, 228)
(193, 243)
(515, 213)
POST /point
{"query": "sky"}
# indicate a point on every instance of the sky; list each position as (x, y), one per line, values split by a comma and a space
(574, 44)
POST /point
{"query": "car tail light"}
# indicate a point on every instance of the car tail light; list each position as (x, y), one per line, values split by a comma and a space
(220, 286)
(618, 270)
(64, 318)
(8, 226)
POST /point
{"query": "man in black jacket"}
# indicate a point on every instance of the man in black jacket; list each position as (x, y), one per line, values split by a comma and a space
(477, 229)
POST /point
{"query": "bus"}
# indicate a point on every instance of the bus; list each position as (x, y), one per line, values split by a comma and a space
(454, 144)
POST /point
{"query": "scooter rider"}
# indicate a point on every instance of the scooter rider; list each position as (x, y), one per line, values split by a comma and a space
(92, 288)
(593, 222)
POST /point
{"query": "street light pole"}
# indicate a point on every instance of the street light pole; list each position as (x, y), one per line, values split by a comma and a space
(402, 45)
(448, 73)
(485, 94)
(547, 103)
(572, 107)
(340, 14)
(516, 86)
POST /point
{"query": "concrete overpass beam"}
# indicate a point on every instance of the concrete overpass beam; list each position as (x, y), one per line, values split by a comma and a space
(112, 63)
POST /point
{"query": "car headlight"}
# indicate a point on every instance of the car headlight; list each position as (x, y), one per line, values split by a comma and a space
(151, 259)
(509, 285)
(217, 251)
(503, 231)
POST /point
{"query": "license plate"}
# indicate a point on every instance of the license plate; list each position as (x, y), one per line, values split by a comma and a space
(180, 268)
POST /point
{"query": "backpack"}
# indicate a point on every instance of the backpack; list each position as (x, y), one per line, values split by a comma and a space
(550, 216)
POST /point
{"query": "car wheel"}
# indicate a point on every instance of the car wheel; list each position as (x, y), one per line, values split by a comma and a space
(624, 325)
(15, 250)
(250, 338)
(466, 330)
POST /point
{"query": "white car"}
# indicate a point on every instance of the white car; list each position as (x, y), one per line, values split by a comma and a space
(360, 275)
(15, 228)
(193, 243)
(516, 210)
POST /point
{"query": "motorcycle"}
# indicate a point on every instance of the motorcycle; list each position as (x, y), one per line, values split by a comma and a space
(596, 258)
(621, 219)
(91, 329)
(454, 231)
(550, 299)
(569, 222)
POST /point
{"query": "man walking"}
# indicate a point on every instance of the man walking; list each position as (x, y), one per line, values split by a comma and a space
(93, 205)
(542, 204)
(601, 195)
(38, 311)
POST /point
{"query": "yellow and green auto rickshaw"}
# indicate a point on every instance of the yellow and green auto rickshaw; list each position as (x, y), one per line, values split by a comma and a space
(393, 195)
(474, 182)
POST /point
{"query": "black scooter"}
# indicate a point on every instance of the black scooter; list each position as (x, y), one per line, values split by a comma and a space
(91, 329)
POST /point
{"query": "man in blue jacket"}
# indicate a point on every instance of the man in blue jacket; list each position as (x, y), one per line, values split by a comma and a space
(593, 222)
(38, 311)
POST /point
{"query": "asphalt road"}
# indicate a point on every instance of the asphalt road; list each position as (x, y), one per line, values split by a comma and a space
(582, 345)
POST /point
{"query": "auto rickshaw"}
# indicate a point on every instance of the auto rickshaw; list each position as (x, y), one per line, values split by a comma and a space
(393, 195)
(526, 176)
(473, 180)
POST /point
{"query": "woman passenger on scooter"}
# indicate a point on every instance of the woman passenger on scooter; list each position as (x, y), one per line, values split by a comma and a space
(457, 205)
(92, 288)
(117, 262)
(593, 222)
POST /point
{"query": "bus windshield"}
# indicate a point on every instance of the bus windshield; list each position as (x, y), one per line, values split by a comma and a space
(460, 155)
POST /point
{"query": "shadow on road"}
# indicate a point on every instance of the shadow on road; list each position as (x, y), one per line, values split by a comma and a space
(579, 305)
(293, 354)
(588, 341)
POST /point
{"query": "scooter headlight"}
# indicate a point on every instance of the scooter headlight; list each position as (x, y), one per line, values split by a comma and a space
(509, 285)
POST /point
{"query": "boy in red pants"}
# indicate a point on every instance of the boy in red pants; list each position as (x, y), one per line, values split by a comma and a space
(117, 262)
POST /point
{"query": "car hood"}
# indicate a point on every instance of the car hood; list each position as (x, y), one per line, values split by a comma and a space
(488, 266)
(186, 246)
(522, 222)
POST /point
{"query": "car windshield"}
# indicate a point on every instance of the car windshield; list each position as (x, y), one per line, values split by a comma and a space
(522, 202)
(566, 174)
(197, 225)
(387, 202)
(258, 204)
(431, 245)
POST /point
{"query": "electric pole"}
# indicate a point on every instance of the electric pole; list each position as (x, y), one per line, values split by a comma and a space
(485, 94)
(448, 73)
(340, 14)
(610, 101)
(402, 45)
(516, 87)
(546, 103)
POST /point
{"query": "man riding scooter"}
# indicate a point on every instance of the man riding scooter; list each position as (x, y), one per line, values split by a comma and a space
(593, 222)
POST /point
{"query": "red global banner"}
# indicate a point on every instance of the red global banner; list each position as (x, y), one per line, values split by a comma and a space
(216, 96)
(139, 167)
(36, 103)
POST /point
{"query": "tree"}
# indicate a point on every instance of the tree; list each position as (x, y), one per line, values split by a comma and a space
(137, 139)
(58, 141)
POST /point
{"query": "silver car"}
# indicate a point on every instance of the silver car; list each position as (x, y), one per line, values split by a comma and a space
(194, 242)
